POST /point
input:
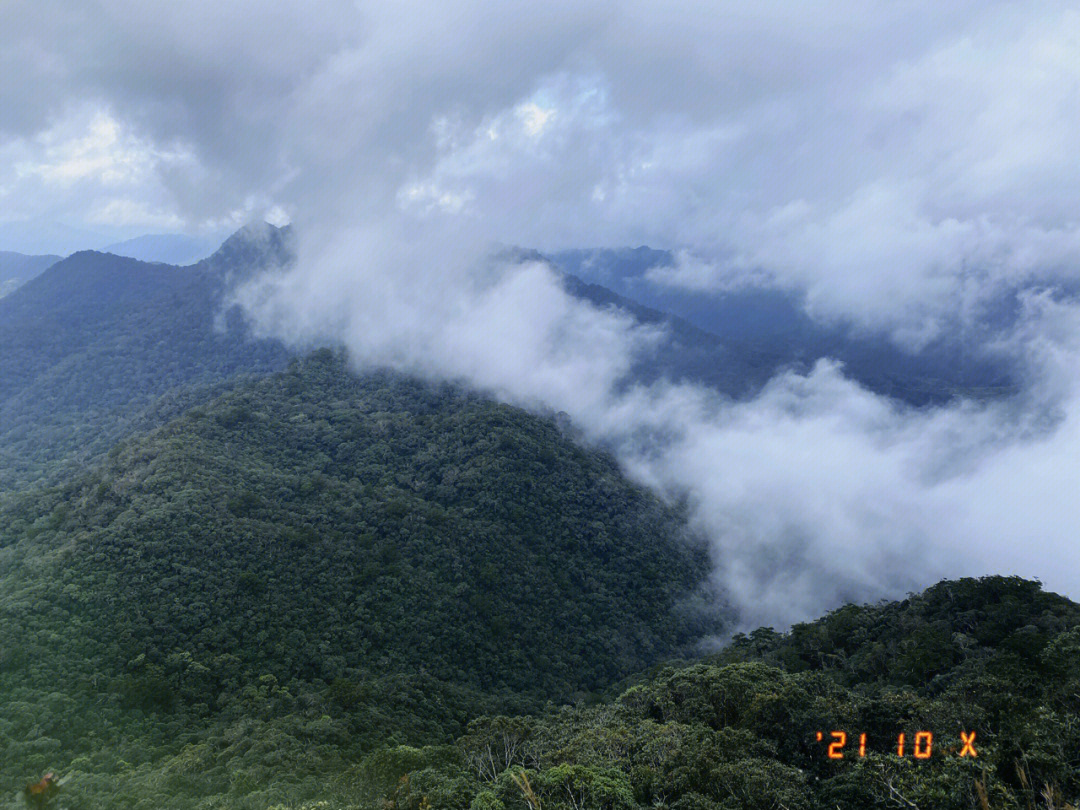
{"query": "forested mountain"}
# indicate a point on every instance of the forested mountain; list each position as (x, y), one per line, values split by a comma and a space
(17, 268)
(767, 329)
(982, 677)
(98, 346)
(229, 578)
(392, 555)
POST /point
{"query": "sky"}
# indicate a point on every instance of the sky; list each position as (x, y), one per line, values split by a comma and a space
(898, 164)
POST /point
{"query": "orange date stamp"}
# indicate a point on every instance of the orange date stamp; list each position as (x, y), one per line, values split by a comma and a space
(919, 746)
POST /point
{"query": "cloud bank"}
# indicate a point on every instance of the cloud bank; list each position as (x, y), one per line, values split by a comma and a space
(899, 164)
(813, 493)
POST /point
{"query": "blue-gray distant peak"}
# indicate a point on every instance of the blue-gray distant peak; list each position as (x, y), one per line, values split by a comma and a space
(17, 268)
(168, 248)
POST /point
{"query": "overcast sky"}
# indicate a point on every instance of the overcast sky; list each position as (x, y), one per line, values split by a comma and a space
(866, 151)
(898, 162)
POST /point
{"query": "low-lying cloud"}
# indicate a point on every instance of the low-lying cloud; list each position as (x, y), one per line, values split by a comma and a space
(814, 492)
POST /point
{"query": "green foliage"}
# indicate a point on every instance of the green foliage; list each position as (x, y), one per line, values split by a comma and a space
(315, 565)
(738, 730)
(570, 787)
(100, 347)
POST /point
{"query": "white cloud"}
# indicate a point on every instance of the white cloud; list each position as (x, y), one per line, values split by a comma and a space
(121, 212)
(427, 197)
(692, 272)
(277, 216)
(105, 154)
(815, 492)
(91, 169)
(533, 117)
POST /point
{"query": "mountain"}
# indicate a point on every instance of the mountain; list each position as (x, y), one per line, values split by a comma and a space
(167, 248)
(102, 346)
(16, 269)
(373, 558)
(98, 346)
(688, 354)
(979, 676)
(257, 247)
(234, 578)
(152, 662)
(768, 330)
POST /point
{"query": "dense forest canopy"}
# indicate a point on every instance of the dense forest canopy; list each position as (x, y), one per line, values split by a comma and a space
(597, 406)
(415, 552)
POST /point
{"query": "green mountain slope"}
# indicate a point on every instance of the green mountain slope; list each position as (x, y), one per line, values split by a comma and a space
(396, 555)
(99, 346)
(994, 663)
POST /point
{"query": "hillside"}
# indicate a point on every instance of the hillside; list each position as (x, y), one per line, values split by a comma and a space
(394, 556)
(997, 686)
(993, 663)
(99, 346)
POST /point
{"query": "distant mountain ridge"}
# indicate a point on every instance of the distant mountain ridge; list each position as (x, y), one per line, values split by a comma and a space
(167, 248)
(689, 354)
(771, 327)
(17, 268)
(94, 341)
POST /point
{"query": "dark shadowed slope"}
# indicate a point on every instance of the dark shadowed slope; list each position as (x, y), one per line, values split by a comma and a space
(766, 330)
(95, 342)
